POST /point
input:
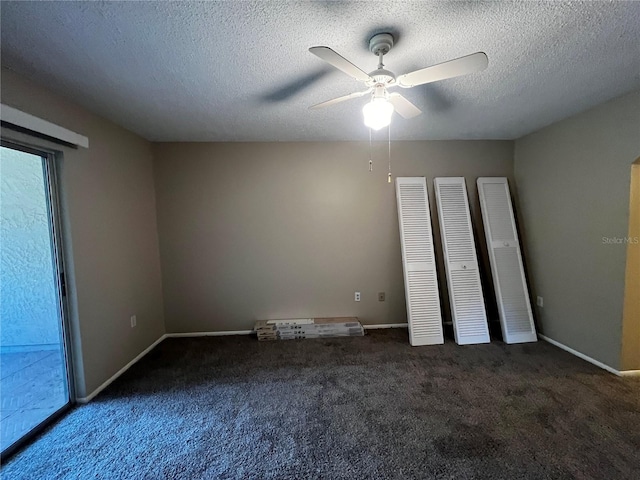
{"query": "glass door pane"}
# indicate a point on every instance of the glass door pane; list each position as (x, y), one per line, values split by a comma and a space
(33, 369)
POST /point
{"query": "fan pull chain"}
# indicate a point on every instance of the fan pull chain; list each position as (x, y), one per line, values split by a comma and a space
(370, 161)
(389, 175)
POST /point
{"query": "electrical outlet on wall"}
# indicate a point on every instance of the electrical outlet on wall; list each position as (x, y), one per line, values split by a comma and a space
(540, 301)
(356, 297)
(134, 321)
(381, 296)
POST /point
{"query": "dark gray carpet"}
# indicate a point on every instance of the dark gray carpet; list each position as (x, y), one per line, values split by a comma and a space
(369, 407)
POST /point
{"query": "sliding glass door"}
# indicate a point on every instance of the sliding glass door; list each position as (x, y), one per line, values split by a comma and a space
(34, 383)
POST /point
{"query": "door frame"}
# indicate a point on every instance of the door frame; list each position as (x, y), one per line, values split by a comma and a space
(49, 160)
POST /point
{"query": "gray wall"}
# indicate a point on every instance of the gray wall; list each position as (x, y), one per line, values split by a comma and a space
(573, 184)
(110, 233)
(254, 231)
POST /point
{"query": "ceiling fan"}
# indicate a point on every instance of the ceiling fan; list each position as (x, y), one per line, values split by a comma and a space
(378, 112)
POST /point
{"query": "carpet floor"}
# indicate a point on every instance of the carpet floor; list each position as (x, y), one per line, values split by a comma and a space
(368, 407)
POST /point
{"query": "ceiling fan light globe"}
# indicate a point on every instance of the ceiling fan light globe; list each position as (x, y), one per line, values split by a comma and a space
(377, 113)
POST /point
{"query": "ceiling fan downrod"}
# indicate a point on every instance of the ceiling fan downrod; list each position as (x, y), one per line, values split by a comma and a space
(380, 45)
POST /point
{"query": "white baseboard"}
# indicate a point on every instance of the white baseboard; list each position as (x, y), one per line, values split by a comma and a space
(385, 325)
(90, 397)
(589, 359)
(220, 333)
(109, 381)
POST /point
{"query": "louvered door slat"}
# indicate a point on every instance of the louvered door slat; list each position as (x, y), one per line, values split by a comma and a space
(420, 278)
(461, 263)
(512, 295)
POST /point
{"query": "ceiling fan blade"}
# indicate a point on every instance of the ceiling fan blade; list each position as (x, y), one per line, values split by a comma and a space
(341, 63)
(453, 68)
(338, 100)
(403, 106)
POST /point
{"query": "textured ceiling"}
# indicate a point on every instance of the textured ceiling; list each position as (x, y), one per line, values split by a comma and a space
(240, 71)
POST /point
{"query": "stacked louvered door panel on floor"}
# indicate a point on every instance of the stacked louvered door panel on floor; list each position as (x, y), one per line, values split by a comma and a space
(420, 276)
(461, 262)
(516, 318)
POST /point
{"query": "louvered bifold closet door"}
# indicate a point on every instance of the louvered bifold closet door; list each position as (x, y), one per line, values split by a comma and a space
(505, 257)
(420, 277)
(461, 262)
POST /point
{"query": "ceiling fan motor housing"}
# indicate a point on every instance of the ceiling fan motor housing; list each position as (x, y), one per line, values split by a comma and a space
(382, 77)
